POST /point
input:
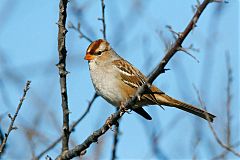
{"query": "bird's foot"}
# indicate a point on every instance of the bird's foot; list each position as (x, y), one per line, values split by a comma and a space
(108, 122)
(123, 109)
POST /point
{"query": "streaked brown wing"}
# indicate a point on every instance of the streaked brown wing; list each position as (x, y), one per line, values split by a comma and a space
(134, 78)
(130, 75)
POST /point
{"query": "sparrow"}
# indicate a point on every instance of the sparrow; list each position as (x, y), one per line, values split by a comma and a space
(117, 80)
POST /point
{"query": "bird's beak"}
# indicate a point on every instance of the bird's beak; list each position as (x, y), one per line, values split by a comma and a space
(89, 57)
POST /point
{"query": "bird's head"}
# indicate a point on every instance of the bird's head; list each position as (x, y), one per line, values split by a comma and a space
(96, 49)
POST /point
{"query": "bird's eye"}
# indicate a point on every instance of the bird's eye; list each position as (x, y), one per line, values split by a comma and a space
(98, 52)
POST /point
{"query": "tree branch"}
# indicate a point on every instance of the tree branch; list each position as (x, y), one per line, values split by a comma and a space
(11, 127)
(115, 141)
(178, 43)
(223, 154)
(103, 19)
(156, 72)
(72, 128)
(78, 29)
(229, 98)
(219, 141)
(62, 71)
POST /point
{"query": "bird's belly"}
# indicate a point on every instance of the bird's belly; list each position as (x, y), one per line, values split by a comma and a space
(105, 86)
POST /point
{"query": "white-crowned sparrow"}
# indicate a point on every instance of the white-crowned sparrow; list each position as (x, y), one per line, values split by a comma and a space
(116, 80)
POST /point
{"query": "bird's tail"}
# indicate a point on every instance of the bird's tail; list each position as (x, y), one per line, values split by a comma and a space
(164, 99)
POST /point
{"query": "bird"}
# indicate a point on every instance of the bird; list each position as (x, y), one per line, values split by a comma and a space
(117, 80)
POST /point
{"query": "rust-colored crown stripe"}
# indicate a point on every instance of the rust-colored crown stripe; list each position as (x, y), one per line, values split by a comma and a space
(92, 48)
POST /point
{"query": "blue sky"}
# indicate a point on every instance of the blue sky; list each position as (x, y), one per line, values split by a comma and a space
(28, 43)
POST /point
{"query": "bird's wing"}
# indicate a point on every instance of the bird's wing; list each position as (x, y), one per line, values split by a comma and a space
(134, 78)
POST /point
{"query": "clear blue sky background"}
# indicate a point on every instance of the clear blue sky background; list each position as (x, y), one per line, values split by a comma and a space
(28, 49)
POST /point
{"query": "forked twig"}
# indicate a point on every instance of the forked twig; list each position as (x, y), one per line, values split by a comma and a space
(219, 141)
(11, 126)
(78, 29)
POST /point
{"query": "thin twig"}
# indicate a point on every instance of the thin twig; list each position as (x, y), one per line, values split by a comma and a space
(154, 137)
(85, 113)
(103, 19)
(178, 43)
(188, 53)
(229, 98)
(62, 71)
(196, 143)
(115, 141)
(78, 29)
(223, 154)
(227, 147)
(11, 127)
(157, 71)
(73, 126)
(165, 40)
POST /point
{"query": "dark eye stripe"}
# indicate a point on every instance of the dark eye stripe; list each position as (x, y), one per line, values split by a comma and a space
(97, 53)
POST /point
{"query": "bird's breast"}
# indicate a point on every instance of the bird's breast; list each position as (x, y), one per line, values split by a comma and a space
(105, 81)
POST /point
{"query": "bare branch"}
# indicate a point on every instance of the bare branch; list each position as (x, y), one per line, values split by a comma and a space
(174, 33)
(166, 41)
(196, 143)
(178, 43)
(62, 31)
(157, 71)
(188, 53)
(115, 141)
(85, 113)
(103, 19)
(223, 154)
(229, 98)
(11, 127)
(78, 29)
(227, 147)
(73, 126)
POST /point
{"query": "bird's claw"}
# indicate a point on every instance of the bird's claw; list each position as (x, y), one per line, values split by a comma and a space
(123, 109)
(108, 122)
